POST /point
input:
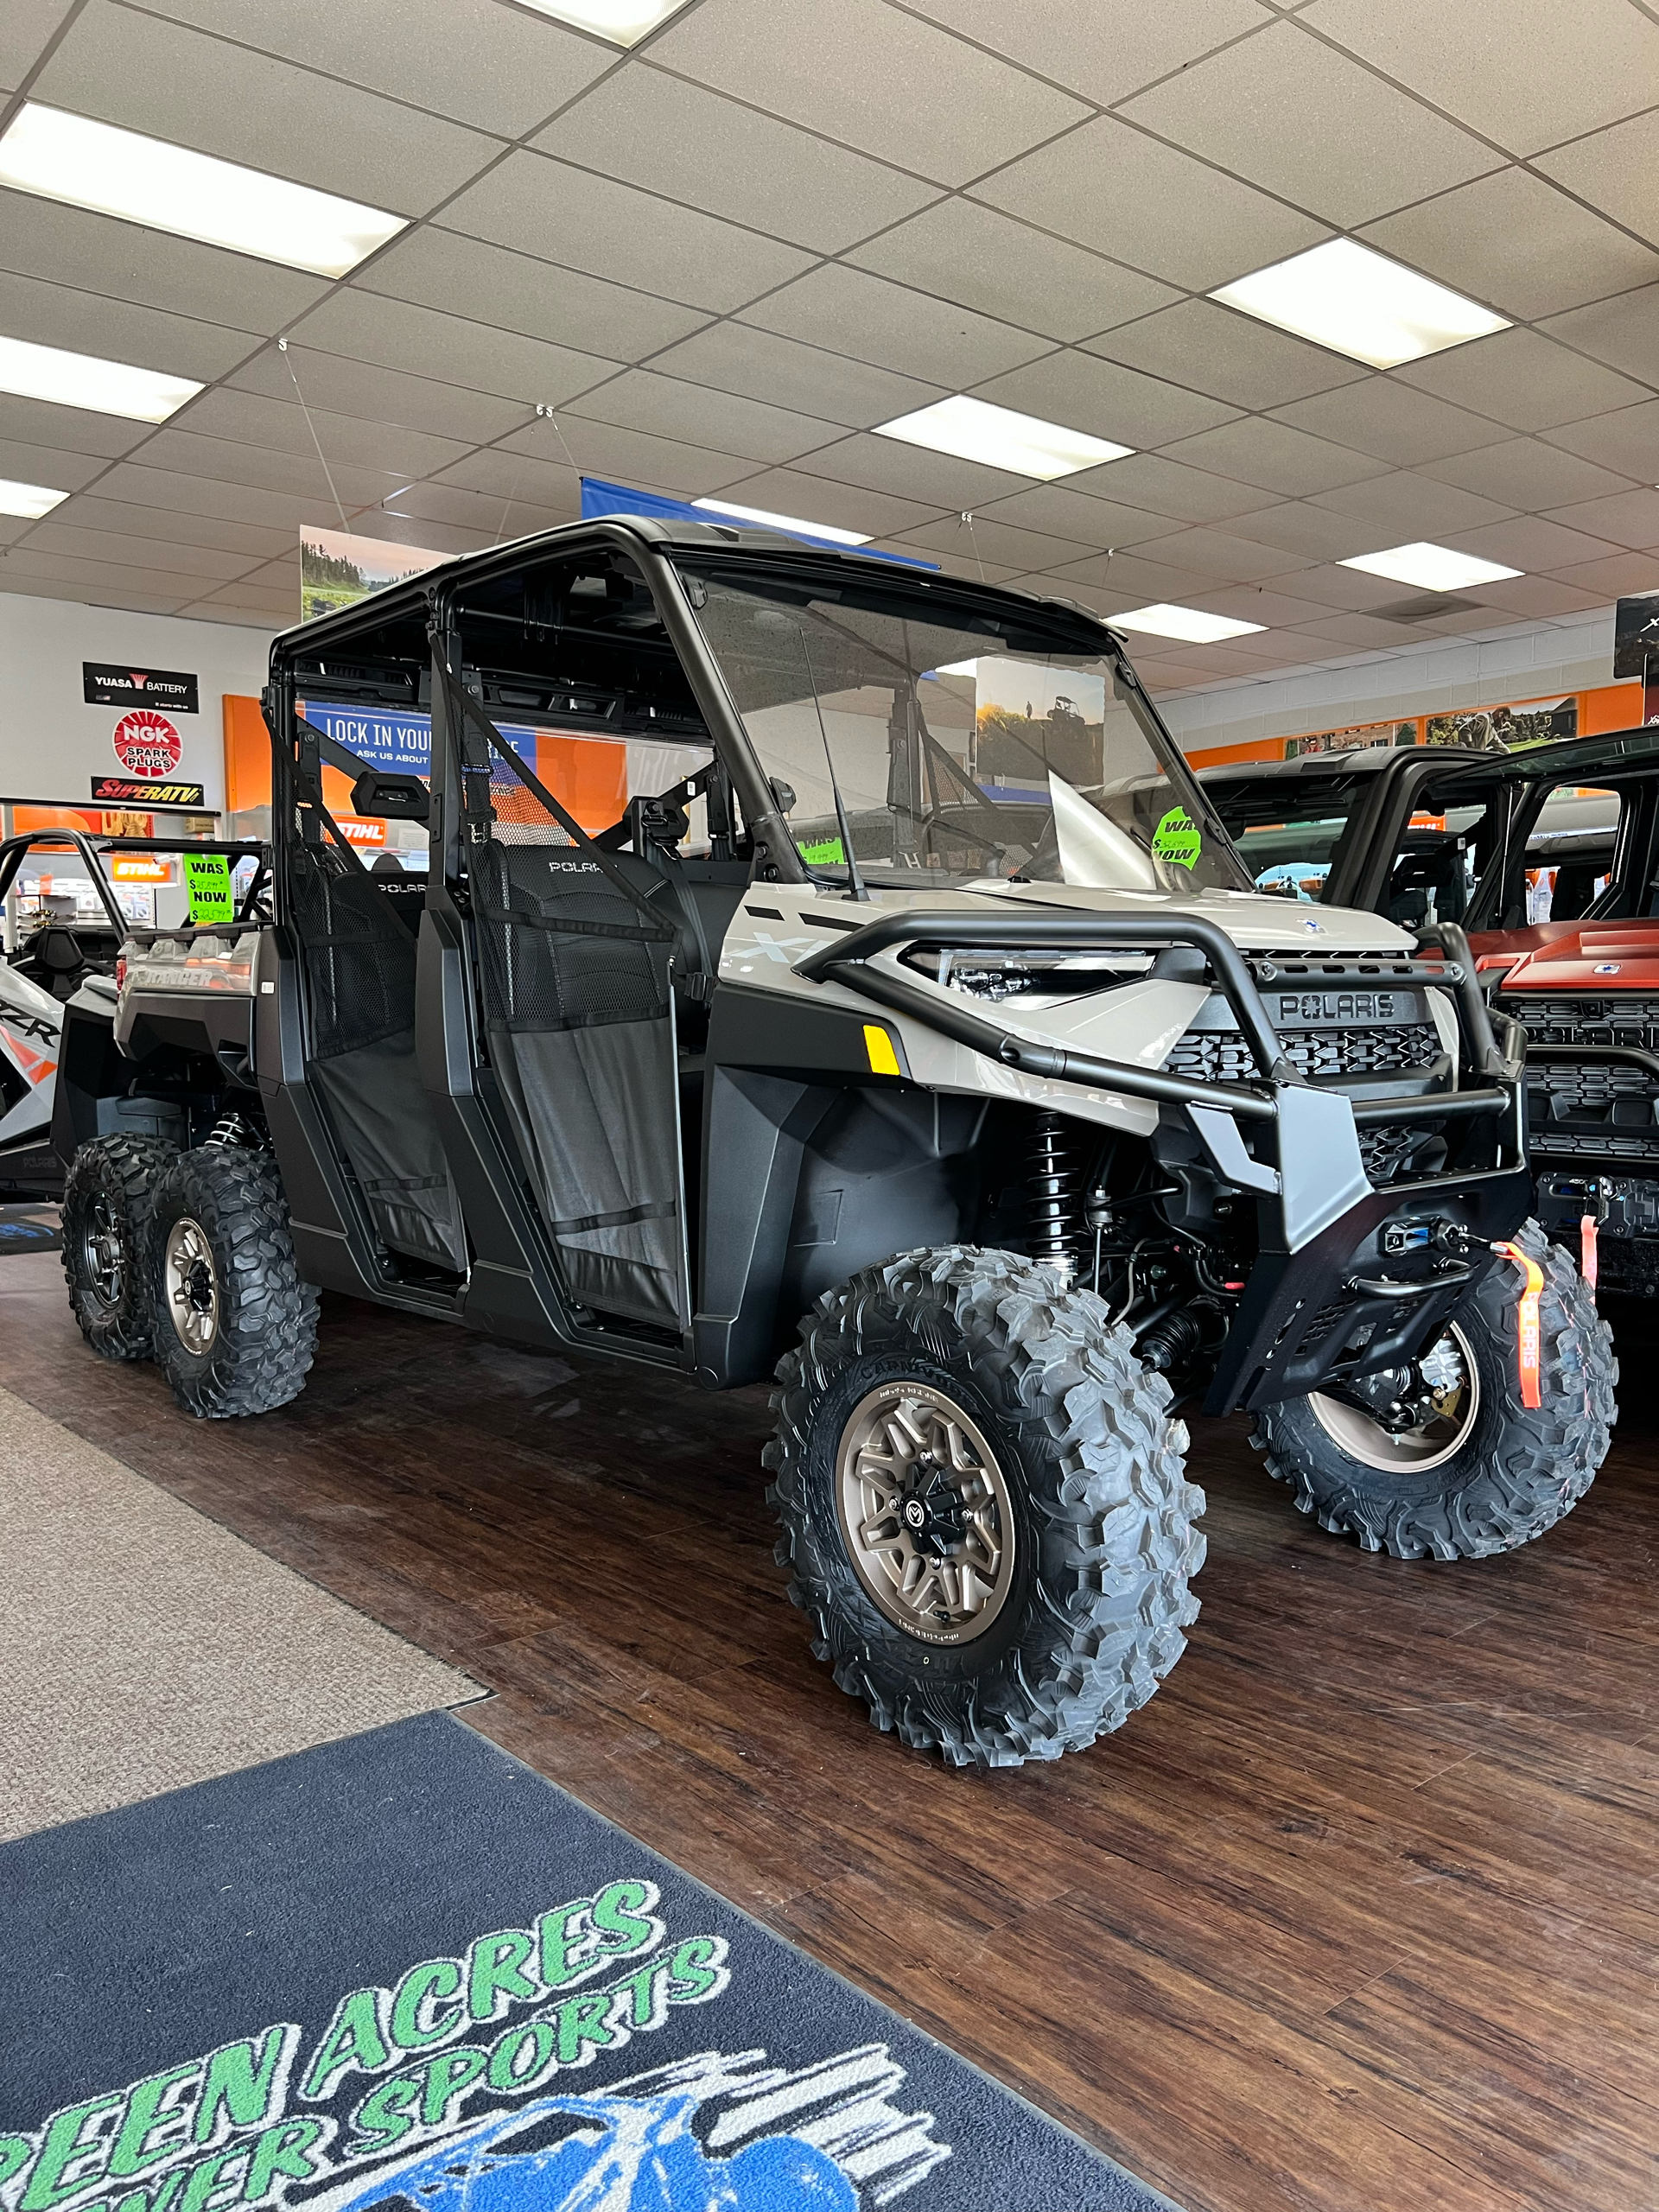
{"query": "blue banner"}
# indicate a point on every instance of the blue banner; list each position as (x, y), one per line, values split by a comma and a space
(599, 497)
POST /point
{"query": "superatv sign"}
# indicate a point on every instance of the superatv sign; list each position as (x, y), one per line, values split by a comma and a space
(494, 2080)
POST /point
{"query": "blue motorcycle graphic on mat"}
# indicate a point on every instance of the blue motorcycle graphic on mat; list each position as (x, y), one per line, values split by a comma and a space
(625, 2154)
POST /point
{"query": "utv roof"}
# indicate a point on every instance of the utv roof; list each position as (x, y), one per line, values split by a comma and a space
(657, 533)
(1633, 750)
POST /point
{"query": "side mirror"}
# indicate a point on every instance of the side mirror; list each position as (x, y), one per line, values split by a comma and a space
(784, 793)
(389, 798)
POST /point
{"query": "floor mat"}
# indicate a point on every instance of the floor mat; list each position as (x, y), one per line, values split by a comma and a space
(143, 1648)
(29, 1228)
(402, 1969)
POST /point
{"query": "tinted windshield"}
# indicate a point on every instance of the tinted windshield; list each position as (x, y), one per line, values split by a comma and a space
(959, 752)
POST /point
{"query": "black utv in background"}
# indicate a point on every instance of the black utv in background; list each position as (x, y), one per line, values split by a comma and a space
(827, 972)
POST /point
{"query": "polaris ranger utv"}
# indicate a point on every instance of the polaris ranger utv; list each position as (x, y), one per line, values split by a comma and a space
(804, 936)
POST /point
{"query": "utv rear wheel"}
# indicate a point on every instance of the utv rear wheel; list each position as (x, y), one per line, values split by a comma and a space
(984, 1506)
(1480, 1473)
(107, 1196)
(235, 1326)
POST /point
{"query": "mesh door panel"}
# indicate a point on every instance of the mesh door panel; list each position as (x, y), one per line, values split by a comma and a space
(360, 953)
(563, 948)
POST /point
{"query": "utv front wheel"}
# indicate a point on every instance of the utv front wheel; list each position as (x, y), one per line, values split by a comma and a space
(107, 1196)
(1470, 1471)
(984, 1506)
(235, 1327)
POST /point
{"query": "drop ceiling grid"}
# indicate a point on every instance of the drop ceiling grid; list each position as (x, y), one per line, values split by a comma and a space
(826, 218)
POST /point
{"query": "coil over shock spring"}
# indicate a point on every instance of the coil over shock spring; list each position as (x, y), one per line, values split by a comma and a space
(1056, 1228)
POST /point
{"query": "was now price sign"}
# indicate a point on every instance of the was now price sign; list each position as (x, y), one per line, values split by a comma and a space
(147, 744)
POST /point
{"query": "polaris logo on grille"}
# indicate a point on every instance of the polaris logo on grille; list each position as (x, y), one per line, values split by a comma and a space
(1336, 1006)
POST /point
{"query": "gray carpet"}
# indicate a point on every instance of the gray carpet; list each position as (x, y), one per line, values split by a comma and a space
(143, 1648)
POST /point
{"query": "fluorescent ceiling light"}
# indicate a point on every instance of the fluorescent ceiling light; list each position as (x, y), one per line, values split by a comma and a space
(1436, 568)
(31, 499)
(82, 380)
(1188, 622)
(625, 23)
(88, 164)
(975, 430)
(1358, 302)
(785, 522)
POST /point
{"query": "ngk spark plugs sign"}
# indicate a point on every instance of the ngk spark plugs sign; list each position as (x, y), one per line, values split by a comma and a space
(110, 684)
(147, 744)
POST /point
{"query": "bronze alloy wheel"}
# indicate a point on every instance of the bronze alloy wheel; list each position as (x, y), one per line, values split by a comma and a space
(925, 1513)
(1449, 1370)
(192, 1286)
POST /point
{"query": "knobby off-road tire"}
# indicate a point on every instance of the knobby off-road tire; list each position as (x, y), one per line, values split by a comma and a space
(1514, 1473)
(1100, 1546)
(107, 1196)
(235, 1326)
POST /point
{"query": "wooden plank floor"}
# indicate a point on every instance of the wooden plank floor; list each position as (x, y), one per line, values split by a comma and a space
(1360, 1915)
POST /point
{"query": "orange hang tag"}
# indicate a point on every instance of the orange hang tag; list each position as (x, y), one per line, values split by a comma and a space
(1527, 1324)
(1588, 1251)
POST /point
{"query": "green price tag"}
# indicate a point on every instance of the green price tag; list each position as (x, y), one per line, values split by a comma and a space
(825, 854)
(1176, 839)
(207, 879)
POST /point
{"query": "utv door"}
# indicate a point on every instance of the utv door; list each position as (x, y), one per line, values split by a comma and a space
(575, 951)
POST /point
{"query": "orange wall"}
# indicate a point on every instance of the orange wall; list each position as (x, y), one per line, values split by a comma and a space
(1607, 707)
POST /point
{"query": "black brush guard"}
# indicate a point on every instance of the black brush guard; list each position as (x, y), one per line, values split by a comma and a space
(1333, 1253)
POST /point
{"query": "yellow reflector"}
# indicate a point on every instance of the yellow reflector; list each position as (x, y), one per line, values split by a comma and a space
(877, 1043)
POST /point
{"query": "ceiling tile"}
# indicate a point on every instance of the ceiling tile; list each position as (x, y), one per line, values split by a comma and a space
(733, 357)
(504, 475)
(1623, 332)
(334, 385)
(160, 556)
(1517, 244)
(1617, 170)
(641, 400)
(849, 312)
(1232, 356)
(434, 268)
(395, 334)
(1118, 192)
(1346, 589)
(1125, 580)
(247, 438)
(624, 235)
(474, 59)
(1403, 507)
(1358, 632)
(693, 145)
(1526, 474)
(993, 542)
(1532, 544)
(1614, 576)
(1059, 511)
(1246, 109)
(1524, 378)
(1276, 456)
(1230, 560)
(124, 261)
(1626, 441)
(1168, 488)
(211, 610)
(487, 521)
(630, 456)
(68, 430)
(1297, 526)
(168, 487)
(177, 84)
(53, 314)
(1105, 399)
(425, 532)
(815, 498)
(25, 27)
(957, 249)
(1274, 606)
(1626, 519)
(50, 465)
(1391, 421)
(1527, 72)
(931, 104)
(939, 479)
(122, 519)
(102, 578)
(1540, 599)
(1104, 49)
